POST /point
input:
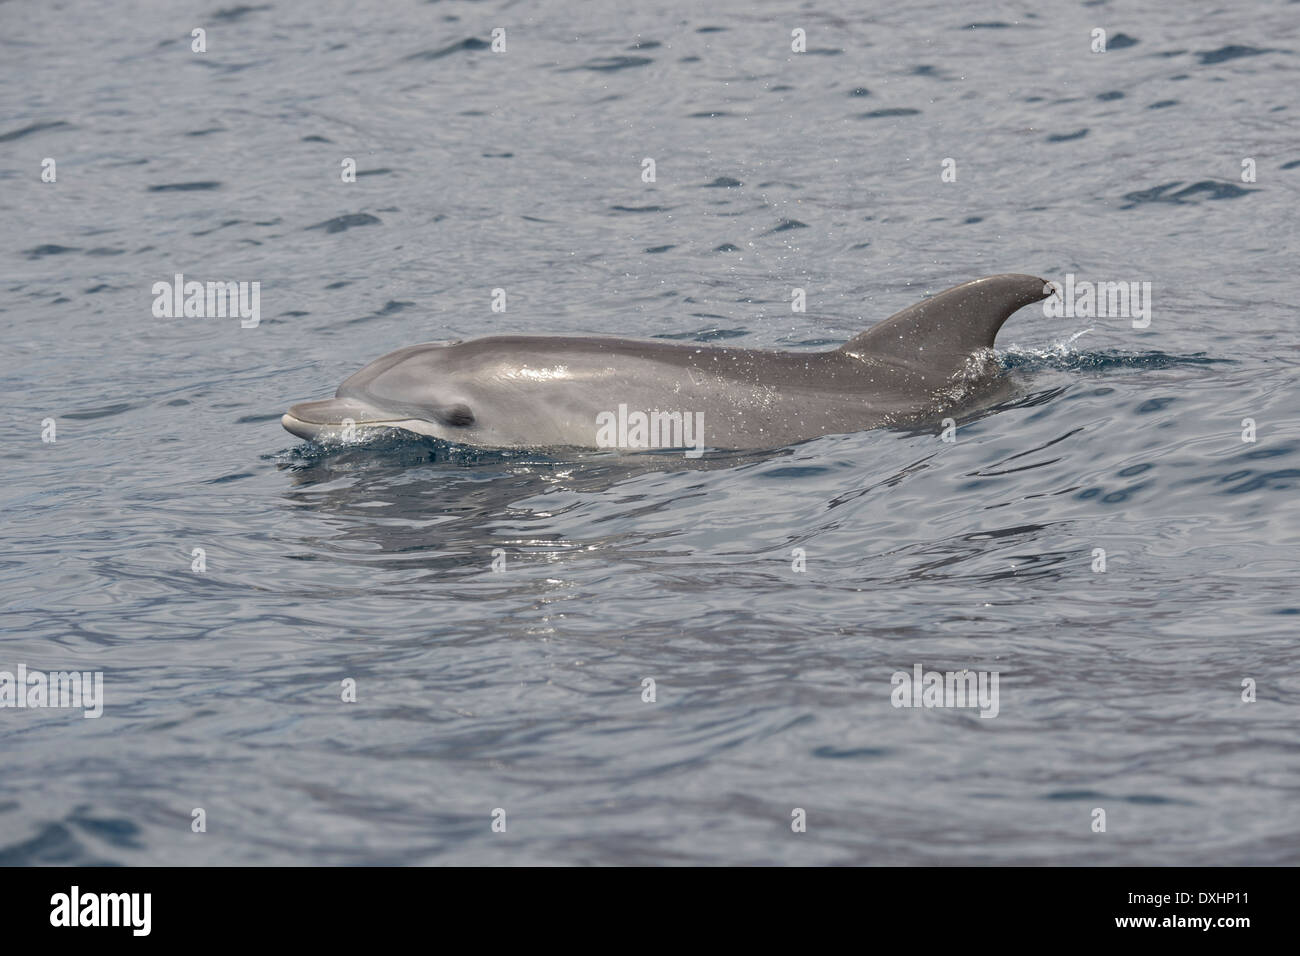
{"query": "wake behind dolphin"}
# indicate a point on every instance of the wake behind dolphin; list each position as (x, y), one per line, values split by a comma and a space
(589, 392)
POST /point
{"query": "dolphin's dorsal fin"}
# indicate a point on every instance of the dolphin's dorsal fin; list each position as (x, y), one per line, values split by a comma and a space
(940, 333)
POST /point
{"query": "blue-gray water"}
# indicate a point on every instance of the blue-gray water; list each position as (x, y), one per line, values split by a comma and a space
(522, 689)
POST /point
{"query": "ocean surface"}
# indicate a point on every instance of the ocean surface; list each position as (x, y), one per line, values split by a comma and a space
(517, 696)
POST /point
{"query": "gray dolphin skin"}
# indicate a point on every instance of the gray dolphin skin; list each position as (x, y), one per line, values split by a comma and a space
(551, 391)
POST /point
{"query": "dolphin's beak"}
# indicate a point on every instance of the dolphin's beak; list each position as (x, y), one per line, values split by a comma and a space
(331, 417)
(296, 426)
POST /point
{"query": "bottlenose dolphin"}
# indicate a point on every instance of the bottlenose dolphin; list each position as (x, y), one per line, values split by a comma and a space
(512, 391)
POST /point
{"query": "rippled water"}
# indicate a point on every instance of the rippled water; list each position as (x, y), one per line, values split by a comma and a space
(521, 689)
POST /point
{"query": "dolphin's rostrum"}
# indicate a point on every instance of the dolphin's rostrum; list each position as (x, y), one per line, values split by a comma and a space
(551, 391)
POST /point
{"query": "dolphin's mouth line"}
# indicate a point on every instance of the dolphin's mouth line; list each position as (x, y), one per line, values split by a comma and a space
(338, 422)
(359, 423)
(333, 418)
(341, 412)
(332, 431)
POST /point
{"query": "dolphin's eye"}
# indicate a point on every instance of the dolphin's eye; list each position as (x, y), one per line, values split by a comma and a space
(457, 416)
